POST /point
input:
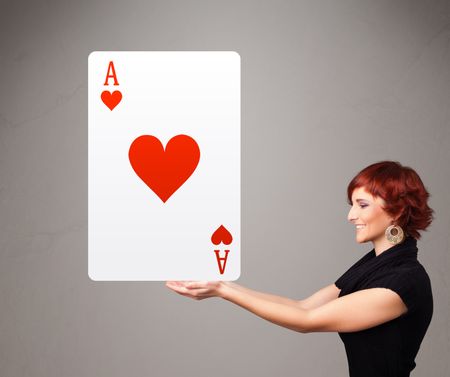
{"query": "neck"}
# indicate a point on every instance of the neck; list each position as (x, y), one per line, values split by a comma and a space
(381, 245)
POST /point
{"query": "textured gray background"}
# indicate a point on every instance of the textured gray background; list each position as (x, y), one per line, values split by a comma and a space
(328, 87)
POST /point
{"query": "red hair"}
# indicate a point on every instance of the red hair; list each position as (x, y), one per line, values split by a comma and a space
(402, 190)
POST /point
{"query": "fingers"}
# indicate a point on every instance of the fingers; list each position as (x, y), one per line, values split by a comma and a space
(189, 284)
(196, 284)
(176, 286)
(176, 283)
(189, 290)
(183, 291)
(195, 293)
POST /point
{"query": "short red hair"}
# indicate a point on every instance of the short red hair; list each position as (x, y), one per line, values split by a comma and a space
(402, 190)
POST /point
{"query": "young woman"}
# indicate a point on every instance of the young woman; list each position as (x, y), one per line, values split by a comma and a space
(382, 305)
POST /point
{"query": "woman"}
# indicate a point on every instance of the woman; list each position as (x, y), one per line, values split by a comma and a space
(382, 306)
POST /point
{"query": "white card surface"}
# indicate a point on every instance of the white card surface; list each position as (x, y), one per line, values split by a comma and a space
(145, 222)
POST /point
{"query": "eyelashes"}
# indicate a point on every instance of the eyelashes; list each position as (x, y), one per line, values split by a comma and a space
(361, 205)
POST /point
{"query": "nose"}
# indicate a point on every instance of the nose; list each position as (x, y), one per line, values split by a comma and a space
(351, 215)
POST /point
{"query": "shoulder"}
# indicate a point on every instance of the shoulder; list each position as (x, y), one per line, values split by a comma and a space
(410, 282)
(414, 274)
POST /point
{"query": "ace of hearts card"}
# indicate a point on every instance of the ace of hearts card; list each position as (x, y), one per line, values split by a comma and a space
(164, 165)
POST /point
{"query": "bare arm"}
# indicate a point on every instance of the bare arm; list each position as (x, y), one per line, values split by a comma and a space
(357, 311)
(319, 298)
(262, 295)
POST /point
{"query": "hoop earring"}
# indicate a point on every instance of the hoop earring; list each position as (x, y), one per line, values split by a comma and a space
(394, 234)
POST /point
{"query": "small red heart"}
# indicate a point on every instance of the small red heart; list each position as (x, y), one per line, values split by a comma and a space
(221, 235)
(111, 99)
(164, 171)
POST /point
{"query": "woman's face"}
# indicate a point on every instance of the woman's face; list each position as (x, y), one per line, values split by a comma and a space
(368, 216)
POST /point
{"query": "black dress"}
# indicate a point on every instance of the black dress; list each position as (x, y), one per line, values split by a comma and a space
(389, 349)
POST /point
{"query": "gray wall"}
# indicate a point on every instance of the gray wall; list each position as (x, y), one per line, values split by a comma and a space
(328, 87)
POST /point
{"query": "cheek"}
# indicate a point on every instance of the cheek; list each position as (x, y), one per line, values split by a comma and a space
(371, 216)
(377, 219)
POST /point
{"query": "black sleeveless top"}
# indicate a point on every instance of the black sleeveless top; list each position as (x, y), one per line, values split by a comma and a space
(389, 349)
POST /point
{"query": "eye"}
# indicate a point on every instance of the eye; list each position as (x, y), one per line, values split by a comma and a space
(363, 205)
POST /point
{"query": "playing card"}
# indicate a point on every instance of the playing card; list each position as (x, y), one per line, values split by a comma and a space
(164, 165)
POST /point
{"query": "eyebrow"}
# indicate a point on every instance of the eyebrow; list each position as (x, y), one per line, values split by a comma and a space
(361, 200)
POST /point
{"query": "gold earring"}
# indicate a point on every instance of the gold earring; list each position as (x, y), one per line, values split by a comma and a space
(394, 234)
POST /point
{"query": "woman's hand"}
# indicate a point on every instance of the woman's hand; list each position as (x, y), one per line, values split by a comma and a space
(197, 290)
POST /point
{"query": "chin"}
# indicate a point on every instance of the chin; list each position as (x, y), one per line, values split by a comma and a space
(361, 240)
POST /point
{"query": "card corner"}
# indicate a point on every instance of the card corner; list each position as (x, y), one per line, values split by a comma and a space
(92, 55)
(92, 276)
(236, 54)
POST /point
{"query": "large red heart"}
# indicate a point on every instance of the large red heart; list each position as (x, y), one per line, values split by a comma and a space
(111, 99)
(164, 171)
